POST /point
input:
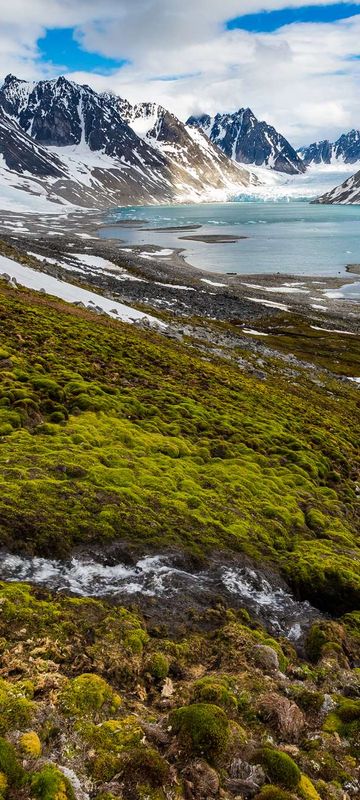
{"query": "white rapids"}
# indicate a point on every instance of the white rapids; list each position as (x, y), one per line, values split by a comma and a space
(158, 577)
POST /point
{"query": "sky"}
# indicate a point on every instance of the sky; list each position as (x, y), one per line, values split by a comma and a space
(295, 65)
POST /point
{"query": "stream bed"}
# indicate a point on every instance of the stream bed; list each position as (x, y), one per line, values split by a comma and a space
(157, 581)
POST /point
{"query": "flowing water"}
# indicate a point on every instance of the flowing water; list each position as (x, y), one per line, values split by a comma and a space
(160, 579)
(285, 237)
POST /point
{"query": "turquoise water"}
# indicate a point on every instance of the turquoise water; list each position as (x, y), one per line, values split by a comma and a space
(288, 238)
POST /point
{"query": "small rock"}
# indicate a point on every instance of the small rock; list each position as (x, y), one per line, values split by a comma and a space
(328, 705)
(266, 657)
(167, 689)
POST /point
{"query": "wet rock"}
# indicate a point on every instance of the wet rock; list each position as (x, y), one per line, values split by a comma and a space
(266, 658)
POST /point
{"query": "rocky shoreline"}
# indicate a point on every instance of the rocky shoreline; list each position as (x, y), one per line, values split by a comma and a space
(169, 283)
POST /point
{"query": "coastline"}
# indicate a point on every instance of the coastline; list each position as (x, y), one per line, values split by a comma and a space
(168, 282)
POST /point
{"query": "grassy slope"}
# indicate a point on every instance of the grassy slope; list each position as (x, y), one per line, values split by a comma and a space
(108, 431)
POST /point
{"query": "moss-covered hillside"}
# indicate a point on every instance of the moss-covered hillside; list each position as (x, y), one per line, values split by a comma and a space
(110, 432)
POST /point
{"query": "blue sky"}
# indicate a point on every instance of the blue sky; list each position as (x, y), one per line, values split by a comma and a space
(59, 46)
(269, 21)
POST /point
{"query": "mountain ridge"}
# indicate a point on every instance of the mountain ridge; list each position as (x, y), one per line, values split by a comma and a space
(346, 149)
(246, 140)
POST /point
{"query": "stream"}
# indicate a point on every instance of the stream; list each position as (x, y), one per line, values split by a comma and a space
(157, 581)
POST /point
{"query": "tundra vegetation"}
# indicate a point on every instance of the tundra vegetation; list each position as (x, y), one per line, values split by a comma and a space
(108, 433)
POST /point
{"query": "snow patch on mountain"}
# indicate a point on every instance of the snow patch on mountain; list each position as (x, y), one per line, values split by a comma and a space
(347, 193)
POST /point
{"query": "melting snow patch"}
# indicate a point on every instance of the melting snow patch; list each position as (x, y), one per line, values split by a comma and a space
(175, 286)
(254, 333)
(212, 283)
(285, 289)
(332, 330)
(33, 279)
(269, 303)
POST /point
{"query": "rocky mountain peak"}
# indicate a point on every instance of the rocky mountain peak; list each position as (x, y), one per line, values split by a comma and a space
(245, 139)
(345, 149)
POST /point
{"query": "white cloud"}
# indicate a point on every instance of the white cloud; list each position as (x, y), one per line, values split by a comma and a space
(301, 78)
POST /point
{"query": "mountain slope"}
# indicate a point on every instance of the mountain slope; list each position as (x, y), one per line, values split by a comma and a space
(347, 193)
(184, 146)
(85, 142)
(243, 138)
(346, 149)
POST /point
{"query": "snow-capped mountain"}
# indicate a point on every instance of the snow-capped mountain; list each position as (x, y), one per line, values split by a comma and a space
(94, 157)
(186, 147)
(346, 194)
(245, 139)
(345, 150)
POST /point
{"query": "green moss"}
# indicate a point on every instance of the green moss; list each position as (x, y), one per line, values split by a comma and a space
(135, 641)
(202, 728)
(9, 764)
(345, 720)
(307, 789)
(30, 744)
(51, 784)
(273, 793)
(217, 690)
(16, 709)
(144, 765)
(320, 635)
(3, 785)
(316, 520)
(88, 696)
(280, 768)
(242, 464)
(109, 741)
(310, 700)
(351, 623)
(349, 710)
(158, 666)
